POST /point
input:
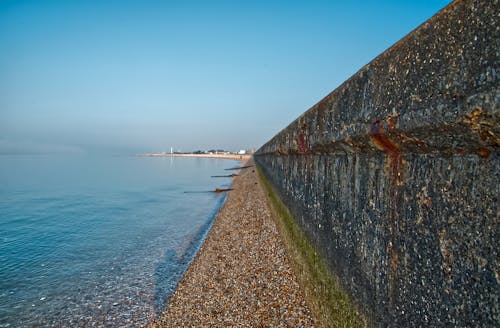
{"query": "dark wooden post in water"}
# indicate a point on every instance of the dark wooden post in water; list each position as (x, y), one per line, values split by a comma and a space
(393, 177)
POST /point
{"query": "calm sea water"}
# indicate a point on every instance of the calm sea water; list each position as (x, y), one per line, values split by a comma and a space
(99, 241)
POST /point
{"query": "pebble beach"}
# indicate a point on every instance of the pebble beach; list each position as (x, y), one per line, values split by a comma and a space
(241, 275)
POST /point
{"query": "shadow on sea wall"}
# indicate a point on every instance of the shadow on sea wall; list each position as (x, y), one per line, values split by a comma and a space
(393, 177)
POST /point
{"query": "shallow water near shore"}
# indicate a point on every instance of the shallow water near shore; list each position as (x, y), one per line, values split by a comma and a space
(99, 241)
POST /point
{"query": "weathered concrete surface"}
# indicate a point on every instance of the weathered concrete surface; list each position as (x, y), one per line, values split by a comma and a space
(394, 176)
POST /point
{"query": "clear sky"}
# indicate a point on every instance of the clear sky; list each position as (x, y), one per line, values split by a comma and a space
(142, 76)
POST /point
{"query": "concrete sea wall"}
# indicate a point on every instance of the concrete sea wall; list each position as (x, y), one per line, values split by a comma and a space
(394, 176)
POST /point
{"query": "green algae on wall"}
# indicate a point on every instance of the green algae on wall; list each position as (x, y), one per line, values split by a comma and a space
(330, 305)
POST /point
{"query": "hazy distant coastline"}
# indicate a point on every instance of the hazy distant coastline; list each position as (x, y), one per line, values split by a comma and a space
(224, 156)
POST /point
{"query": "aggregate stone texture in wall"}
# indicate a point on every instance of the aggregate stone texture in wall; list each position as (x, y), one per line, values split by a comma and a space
(394, 176)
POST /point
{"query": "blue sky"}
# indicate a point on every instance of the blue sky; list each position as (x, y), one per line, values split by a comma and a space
(142, 76)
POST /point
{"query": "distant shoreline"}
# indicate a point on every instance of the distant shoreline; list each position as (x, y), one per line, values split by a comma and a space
(223, 156)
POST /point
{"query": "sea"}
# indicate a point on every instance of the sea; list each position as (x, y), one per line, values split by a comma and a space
(94, 241)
